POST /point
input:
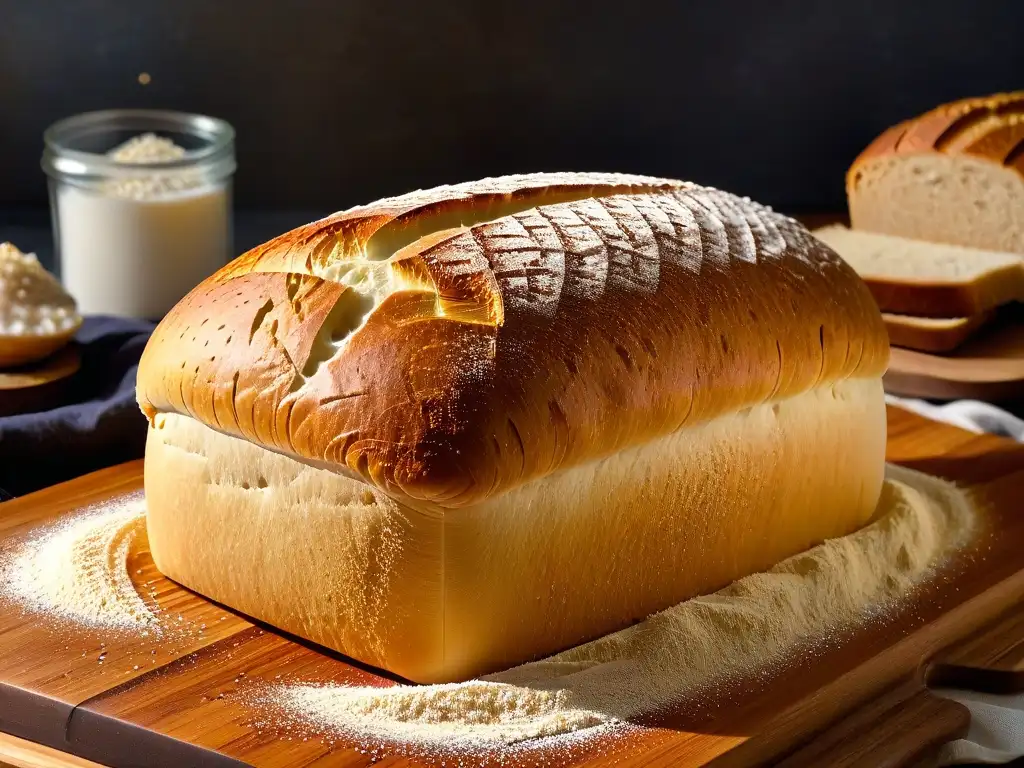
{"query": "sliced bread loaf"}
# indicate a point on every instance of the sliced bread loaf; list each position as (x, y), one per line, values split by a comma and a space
(953, 175)
(913, 277)
(932, 334)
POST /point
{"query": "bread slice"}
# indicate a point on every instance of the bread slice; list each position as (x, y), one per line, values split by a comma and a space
(463, 428)
(932, 334)
(913, 277)
(953, 175)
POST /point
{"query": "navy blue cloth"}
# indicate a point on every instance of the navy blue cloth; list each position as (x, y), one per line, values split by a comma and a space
(99, 424)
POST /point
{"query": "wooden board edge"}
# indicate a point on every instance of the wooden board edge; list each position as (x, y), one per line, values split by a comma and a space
(79, 491)
(21, 753)
(34, 717)
(905, 384)
(115, 742)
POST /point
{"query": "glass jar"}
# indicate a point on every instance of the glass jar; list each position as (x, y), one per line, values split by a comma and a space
(134, 233)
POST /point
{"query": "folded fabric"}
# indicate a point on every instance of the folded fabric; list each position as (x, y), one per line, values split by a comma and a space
(996, 733)
(98, 424)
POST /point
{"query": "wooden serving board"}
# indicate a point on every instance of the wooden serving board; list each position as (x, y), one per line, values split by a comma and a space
(36, 387)
(988, 367)
(861, 700)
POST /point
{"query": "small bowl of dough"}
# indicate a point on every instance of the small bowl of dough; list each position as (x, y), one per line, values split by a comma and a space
(37, 316)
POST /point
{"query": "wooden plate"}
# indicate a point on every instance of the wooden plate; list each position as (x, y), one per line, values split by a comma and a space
(988, 367)
(186, 699)
(39, 386)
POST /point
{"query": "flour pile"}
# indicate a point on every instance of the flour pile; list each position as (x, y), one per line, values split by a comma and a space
(673, 654)
(77, 569)
(147, 149)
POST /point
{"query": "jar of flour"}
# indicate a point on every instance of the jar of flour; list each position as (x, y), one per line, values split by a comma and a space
(141, 206)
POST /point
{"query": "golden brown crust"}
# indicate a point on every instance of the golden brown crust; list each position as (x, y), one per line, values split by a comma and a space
(524, 345)
(884, 144)
(923, 299)
(933, 298)
(928, 335)
(990, 128)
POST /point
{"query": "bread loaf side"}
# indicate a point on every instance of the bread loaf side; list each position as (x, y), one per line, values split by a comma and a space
(437, 597)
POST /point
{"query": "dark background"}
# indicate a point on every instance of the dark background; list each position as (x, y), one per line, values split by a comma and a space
(338, 102)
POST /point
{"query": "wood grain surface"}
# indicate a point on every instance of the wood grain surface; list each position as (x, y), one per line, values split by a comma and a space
(48, 667)
(36, 387)
(20, 753)
(862, 700)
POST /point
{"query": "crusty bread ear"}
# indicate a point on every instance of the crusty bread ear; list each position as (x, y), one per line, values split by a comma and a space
(953, 175)
(914, 277)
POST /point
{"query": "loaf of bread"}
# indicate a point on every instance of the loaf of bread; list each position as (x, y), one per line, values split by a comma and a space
(915, 277)
(462, 428)
(953, 175)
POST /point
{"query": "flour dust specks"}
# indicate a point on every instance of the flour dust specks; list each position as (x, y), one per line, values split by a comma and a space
(77, 568)
(748, 628)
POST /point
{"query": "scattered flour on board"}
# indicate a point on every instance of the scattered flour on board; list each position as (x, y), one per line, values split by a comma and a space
(77, 569)
(673, 654)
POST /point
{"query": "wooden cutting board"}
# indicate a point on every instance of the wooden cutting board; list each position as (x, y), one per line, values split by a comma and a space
(37, 387)
(862, 701)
